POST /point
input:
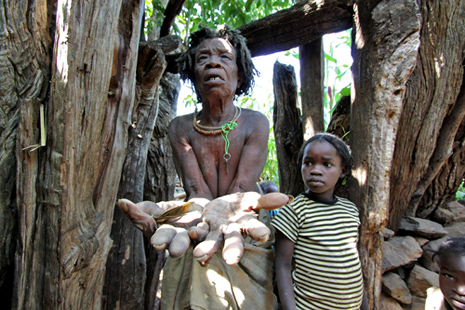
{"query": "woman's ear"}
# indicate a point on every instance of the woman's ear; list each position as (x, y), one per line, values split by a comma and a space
(239, 80)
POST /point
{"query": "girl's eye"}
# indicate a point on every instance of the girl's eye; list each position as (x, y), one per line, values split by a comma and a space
(448, 276)
(328, 165)
(307, 163)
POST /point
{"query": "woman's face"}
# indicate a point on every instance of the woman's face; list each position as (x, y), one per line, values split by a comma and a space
(452, 280)
(216, 72)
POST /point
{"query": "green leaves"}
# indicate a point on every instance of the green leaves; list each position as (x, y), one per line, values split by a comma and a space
(212, 13)
(337, 65)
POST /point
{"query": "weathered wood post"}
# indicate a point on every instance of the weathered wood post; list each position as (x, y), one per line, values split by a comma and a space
(385, 51)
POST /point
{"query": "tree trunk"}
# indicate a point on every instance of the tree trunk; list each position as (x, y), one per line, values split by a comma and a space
(173, 8)
(287, 129)
(429, 144)
(312, 87)
(160, 175)
(385, 49)
(67, 189)
(126, 264)
(160, 178)
(446, 182)
(444, 186)
(24, 67)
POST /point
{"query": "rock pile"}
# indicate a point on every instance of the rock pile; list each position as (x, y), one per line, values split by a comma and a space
(409, 268)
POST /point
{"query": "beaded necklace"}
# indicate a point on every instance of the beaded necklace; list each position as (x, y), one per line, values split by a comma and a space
(224, 130)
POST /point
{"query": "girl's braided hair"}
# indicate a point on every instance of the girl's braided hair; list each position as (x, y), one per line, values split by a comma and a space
(245, 66)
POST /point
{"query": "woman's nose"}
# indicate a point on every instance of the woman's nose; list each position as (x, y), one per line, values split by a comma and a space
(214, 62)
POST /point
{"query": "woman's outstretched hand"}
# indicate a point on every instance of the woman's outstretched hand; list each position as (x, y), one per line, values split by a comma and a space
(223, 223)
(164, 223)
(227, 219)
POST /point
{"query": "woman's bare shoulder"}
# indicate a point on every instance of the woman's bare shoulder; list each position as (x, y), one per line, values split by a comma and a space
(256, 124)
(180, 125)
(254, 115)
(182, 120)
(255, 119)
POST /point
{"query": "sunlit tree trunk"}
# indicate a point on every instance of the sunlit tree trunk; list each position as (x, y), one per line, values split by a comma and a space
(67, 188)
(428, 164)
(385, 50)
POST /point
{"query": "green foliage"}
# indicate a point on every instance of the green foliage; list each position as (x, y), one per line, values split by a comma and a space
(270, 172)
(337, 70)
(151, 8)
(212, 13)
(460, 194)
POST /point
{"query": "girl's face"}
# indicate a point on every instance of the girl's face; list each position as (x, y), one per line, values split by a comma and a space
(452, 280)
(321, 169)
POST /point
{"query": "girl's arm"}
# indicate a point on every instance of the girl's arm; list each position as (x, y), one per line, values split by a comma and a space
(283, 265)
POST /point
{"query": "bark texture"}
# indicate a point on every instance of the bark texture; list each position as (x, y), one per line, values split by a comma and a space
(287, 129)
(160, 178)
(126, 265)
(66, 194)
(429, 148)
(25, 59)
(407, 137)
(387, 38)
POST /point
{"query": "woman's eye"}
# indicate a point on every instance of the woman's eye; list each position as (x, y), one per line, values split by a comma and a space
(328, 165)
(202, 57)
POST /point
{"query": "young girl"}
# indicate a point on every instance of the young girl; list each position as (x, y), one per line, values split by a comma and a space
(318, 232)
(451, 260)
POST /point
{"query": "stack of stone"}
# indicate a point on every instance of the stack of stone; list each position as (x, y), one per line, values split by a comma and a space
(409, 268)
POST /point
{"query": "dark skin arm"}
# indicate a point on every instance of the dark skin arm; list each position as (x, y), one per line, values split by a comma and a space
(185, 160)
(254, 154)
(283, 265)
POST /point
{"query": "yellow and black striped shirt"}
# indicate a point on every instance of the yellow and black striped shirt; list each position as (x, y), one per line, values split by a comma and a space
(327, 271)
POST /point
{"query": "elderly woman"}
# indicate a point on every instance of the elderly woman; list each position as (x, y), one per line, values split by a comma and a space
(219, 150)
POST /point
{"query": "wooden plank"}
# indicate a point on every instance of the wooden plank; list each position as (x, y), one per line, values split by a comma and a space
(302, 23)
